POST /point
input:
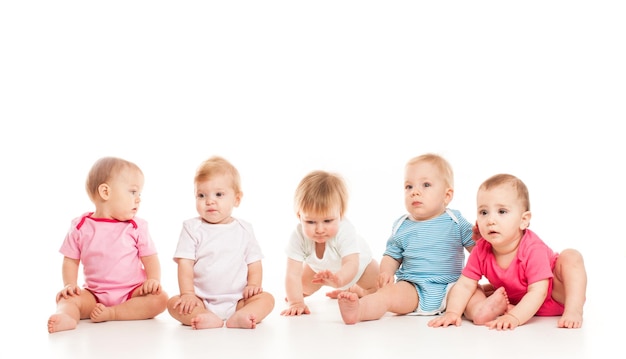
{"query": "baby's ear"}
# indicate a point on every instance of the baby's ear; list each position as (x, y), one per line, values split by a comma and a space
(525, 223)
(104, 191)
(448, 196)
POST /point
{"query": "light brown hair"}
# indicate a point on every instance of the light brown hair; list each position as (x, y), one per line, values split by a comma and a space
(319, 191)
(444, 167)
(518, 185)
(215, 166)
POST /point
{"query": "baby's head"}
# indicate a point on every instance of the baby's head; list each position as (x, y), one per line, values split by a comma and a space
(114, 185)
(320, 193)
(428, 186)
(503, 207)
(217, 186)
(320, 203)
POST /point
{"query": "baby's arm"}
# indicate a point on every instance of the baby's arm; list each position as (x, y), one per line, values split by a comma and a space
(70, 278)
(388, 268)
(293, 288)
(458, 298)
(349, 268)
(187, 300)
(255, 277)
(524, 310)
(152, 285)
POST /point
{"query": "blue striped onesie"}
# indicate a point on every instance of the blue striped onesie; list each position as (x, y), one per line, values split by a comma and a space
(431, 254)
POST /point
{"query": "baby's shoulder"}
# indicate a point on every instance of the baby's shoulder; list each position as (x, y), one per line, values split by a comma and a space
(140, 222)
(243, 223)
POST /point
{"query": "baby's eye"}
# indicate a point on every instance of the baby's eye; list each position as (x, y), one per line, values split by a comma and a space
(408, 186)
(503, 211)
(482, 213)
(200, 195)
(328, 220)
(219, 194)
(310, 222)
(427, 185)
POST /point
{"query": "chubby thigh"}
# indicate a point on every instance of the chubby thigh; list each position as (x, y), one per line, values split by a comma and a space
(401, 297)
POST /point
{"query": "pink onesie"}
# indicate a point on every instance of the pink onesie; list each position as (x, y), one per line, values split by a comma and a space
(110, 252)
(533, 262)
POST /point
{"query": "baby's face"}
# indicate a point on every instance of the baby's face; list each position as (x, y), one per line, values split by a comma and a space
(426, 194)
(501, 216)
(124, 194)
(216, 199)
(320, 227)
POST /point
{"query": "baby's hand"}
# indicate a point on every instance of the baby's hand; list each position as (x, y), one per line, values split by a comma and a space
(150, 286)
(448, 318)
(504, 322)
(186, 303)
(68, 291)
(384, 279)
(251, 290)
(296, 309)
(326, 277)
(476, 233)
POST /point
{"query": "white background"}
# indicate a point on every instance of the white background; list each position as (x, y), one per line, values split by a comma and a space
(535, 89)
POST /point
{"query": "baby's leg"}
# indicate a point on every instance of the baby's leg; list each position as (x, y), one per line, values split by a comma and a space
(400, 298)
(481, 309)
(70, 311)
(251, 311)
(569, 287)
(136, 308)
(368, 283)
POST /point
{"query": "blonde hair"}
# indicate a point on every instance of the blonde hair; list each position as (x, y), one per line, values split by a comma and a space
(215, 166)
(103, 170)
(518, 185)
(444, 167)
(319, 191)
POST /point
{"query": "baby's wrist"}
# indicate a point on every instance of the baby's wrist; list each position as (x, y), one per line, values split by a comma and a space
(514, 317)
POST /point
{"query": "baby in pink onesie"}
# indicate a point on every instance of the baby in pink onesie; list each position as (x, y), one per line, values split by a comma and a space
(121, 268)
(526, 278)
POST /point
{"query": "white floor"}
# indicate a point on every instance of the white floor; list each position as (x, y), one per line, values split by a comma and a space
(323, 334)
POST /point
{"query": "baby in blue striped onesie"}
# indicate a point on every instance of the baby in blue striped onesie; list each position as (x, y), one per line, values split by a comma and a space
(425, 252)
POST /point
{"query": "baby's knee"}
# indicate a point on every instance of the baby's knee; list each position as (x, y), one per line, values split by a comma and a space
(161, 299)
(570, 256)
(171, 302)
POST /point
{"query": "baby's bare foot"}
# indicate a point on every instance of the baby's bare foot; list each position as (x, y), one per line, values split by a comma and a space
(492, 307)
(206, 321)
(242, 320)
(354, 289)
(102, 313)
(349, 307)
(61, 321)
(571, 319)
